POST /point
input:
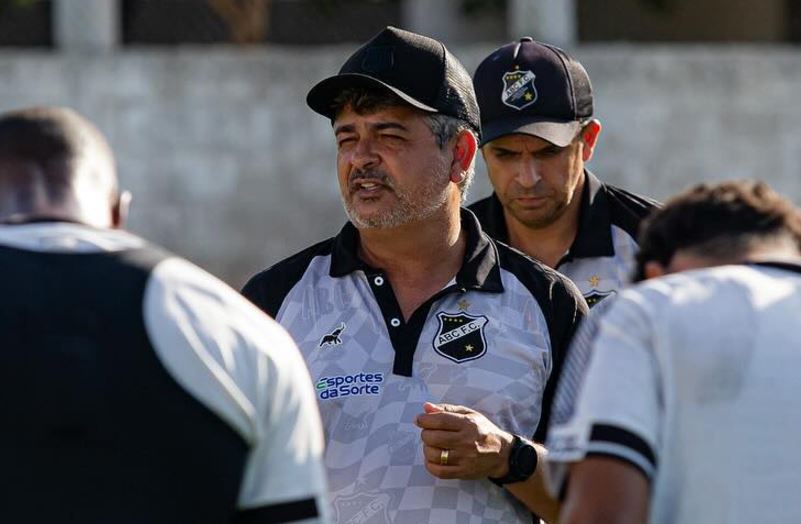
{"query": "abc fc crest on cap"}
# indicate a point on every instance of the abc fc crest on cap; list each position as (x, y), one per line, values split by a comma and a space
(519, 91)
(460, 336)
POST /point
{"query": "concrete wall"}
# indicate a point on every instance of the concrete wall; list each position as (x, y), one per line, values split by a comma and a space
(684, 20)
(229, 168)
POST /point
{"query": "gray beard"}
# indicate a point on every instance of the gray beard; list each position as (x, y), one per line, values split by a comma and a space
(403, 213)
(408, 209)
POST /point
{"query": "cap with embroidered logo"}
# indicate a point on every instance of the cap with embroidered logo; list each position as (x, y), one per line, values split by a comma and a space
(418, 69)
(533, 88)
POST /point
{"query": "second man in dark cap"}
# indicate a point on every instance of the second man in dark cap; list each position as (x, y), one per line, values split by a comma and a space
(412, 317)
(538, 132)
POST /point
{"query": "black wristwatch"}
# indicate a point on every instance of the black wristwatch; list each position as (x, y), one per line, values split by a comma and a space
(522, 462)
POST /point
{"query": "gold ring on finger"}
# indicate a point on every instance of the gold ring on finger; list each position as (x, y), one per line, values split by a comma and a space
(443, 457)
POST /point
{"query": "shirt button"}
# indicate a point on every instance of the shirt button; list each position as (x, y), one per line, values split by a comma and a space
(395, 322)
(378, 281)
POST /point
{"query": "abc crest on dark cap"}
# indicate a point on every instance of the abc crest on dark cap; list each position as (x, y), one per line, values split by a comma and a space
(533, 88)
(419, 69)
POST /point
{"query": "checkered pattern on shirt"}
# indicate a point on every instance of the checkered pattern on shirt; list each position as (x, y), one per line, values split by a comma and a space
(374, 455)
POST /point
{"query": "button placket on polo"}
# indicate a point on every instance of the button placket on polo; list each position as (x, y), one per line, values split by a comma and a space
(385, 296)
(404, 336)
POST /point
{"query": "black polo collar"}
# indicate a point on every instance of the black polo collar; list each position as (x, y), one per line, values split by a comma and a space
(40, 219)
(793, 267)
(594, 236)
(480, 268)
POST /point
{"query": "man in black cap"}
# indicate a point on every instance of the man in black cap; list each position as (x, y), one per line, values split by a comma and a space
(538, 132)
(412, 317)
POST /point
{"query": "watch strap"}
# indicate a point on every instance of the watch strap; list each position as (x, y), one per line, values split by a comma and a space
(516, 473)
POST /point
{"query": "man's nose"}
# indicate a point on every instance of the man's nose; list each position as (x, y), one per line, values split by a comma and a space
(364, 155)
(529, 173)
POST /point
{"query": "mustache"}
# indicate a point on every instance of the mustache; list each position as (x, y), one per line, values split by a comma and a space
(516, 191)
(529, 194)
(375, 175)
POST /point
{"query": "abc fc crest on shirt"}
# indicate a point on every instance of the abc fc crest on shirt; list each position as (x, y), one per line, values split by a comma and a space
(460, 337)
(519, 91)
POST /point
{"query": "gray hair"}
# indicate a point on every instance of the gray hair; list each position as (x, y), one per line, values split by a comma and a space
(445, 128)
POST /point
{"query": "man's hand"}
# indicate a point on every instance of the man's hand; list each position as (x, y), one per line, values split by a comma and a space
(476, 447)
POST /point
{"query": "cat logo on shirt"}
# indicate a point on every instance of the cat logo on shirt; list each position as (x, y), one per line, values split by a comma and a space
(332, 339)
(460, 337)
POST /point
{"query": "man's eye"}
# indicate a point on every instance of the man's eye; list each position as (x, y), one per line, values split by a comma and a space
(549, 153)
(345, 141)
(393, 138)
(505, 154)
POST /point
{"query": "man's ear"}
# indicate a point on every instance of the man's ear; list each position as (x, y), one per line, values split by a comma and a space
(589, 137)
(464, 151)
(119, 211)
(653, 269)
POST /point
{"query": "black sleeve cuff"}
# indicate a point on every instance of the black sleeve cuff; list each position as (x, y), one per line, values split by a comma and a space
(619, 443)
(279, 513)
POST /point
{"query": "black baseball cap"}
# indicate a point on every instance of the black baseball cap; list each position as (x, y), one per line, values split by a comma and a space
(533, 88)
(419, 69)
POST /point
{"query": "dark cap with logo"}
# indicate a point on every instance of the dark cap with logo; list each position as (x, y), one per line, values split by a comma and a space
(532, 88)
(418, 69)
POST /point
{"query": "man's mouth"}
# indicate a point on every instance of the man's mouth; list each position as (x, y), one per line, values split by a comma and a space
(368, 186)
(531, 197)
(531, 200)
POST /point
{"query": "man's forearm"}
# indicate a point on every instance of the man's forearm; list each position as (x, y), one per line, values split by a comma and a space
(606, 490)
(533, 491)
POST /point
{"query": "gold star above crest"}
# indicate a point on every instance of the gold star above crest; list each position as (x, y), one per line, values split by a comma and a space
(594, 280)
(463, 305)
(468, 348)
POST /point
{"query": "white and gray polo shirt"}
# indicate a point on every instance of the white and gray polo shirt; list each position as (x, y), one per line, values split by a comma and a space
(693, 380)
(601, 259)
(138, 388)
(493, 339)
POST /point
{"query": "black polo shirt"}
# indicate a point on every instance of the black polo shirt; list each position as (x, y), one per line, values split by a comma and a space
(493, 339)
(601, 258)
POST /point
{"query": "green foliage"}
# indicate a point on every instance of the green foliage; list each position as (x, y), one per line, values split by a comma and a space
(658, 5)
(17, 3)
(477, 7)
(12, 4)
(468, 7)
(329, 6)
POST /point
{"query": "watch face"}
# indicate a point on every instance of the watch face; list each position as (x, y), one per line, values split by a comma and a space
(525, 460)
